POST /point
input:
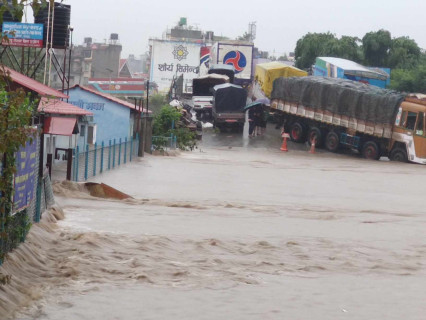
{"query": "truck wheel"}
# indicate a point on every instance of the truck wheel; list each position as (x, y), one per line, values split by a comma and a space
(315, 133)
(371, 151)
(332, 141)
(296, 132)
(398, 154)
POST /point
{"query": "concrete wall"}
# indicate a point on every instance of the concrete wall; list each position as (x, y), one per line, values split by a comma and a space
(112, 120)
(103, 58)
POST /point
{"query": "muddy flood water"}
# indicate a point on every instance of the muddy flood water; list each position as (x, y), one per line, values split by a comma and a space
(236, 229)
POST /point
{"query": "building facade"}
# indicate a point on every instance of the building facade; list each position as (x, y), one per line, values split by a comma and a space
(112, 118)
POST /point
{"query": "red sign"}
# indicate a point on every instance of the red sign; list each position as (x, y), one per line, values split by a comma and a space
(32, 43)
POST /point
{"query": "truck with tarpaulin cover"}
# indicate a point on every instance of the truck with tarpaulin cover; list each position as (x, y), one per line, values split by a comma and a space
(266, 73)
(228, 106)
(337, 113)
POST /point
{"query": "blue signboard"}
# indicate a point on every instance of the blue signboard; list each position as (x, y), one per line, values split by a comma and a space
(23, 34)
(25, 177)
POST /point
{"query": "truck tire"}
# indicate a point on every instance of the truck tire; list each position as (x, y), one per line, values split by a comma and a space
(332, 141)
(371, 150)
(315, 133)
(297, 133)
(398, 154)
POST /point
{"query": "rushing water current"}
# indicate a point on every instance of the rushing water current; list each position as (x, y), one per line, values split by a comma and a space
(233, 230)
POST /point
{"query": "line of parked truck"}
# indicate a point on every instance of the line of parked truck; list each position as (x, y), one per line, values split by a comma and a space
(332, 113)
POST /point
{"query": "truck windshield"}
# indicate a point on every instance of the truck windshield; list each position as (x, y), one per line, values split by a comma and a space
(409, 121)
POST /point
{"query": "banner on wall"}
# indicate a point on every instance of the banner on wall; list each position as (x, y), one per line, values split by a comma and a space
(26, 176)
(23, 34)
(172, 59)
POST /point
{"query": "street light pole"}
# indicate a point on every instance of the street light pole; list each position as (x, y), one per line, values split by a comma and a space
(147, 96)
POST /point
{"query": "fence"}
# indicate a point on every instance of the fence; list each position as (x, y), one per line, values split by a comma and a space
(104, 157)
(163, 143)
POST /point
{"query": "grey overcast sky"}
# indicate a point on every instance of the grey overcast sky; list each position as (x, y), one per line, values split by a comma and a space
(280, 23)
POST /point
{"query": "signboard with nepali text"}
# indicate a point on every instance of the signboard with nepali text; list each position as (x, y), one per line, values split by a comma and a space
(23, 34)
(171, 59)
(25, 177)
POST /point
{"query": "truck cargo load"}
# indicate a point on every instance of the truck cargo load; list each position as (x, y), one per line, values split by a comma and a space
(266, 73)
(337, 113)
(228, 106)
(339, 96)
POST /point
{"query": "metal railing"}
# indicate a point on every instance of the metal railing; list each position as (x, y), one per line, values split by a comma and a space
(163, 143)
(103, 157)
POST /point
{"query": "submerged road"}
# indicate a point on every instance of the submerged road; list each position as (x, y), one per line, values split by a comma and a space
(237, 229)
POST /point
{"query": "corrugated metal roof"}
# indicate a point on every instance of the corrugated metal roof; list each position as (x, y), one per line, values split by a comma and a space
(109, 97)
(353, 68)
(33, 85)
(55, 106)
(59, 126)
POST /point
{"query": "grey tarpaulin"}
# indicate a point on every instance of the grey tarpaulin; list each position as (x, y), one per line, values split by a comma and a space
(340, 96)
(229, 98)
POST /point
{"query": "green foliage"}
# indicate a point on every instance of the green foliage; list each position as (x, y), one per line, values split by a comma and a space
(409, 80)
(245, 37)
(314, 45)
(163, 127)
(156, 102)
(404, 53)
(376, 47)
(163, 121)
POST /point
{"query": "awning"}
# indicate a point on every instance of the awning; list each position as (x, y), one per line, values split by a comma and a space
(59, 126)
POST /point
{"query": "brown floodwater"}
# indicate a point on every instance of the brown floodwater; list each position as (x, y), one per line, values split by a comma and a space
(235, 229)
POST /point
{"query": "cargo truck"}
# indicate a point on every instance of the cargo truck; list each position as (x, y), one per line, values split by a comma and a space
(202, 94)
(239, 54)
(228, 106)
(337, 113)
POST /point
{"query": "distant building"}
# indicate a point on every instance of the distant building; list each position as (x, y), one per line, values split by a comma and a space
(347, 69)
(132, 67)
(91, 60)
(124, 88)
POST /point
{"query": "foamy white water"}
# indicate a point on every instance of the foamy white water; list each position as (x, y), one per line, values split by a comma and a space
(237, 231)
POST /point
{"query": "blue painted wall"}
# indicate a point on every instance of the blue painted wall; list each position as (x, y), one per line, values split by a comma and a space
(320, 71)
(112, 119)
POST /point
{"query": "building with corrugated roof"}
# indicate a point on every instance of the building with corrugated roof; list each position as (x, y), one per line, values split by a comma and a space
(113, 118)
(347, 69)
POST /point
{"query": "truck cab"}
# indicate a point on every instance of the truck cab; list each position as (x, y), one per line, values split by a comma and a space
(202, 94)
(409, 135)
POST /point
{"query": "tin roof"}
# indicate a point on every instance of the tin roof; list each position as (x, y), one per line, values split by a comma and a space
(356, 69)
(33, 85)
(56, 106)
(109, 97)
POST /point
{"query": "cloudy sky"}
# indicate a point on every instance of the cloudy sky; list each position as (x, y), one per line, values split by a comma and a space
(280, 23)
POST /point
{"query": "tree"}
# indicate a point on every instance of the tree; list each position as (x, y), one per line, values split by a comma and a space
(349, 48)
(16, 111)
(313, 45)
(245, 37)
(404, 53)
(376, 47)
(166, 123)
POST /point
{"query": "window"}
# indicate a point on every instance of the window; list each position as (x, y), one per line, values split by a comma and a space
(82, 131)
(420, 124)
(408, 120)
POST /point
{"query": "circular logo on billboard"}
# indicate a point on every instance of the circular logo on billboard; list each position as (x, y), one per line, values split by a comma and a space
(237, 59)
